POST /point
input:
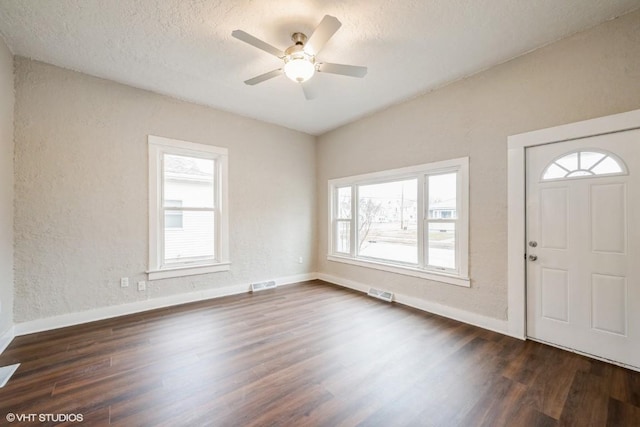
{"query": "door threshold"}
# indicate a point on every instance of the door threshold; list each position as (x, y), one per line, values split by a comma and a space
(589, 355)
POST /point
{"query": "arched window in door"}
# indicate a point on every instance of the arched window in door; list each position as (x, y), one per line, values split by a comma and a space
(584, 164)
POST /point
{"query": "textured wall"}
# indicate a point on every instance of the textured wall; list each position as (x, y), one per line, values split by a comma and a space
(591, 74)
(81, 216)
(6, 187)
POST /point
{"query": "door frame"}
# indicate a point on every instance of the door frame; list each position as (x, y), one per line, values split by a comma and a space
(516, 195)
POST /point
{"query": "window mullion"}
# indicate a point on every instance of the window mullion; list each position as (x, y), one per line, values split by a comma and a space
(336, 224)
(420, 220)
(217, 206)
(353, 250)
(186, 208)
(460, 210)
(160, 210)
(425, 222)
(335, 220)
(443, 220)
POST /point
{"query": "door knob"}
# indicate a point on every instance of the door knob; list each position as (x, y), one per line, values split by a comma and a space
(533, 243)
(533, 257)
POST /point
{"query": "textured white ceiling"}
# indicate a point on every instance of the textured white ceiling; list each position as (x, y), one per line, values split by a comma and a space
(185, 49)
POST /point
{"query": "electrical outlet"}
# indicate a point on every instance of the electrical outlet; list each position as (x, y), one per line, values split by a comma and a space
(124, 282)
(142, 285)
(300, 260)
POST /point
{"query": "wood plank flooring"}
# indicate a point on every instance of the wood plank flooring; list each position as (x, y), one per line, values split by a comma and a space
(310, 354)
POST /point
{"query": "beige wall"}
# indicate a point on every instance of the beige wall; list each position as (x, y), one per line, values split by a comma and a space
(81, 173)
(6, 187)
(591, 74)
(81, 218)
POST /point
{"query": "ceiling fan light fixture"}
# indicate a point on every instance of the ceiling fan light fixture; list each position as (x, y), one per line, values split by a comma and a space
(299, 67)
(300, 59)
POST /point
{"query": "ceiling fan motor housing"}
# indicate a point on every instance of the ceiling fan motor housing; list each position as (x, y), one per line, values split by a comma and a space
(299, 38)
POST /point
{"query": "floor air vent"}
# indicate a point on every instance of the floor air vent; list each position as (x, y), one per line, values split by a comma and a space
(263, 285)
(383, 295)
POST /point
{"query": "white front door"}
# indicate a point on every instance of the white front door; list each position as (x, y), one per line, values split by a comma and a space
(583, 245)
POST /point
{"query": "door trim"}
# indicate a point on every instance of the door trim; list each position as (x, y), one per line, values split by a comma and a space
(516, 210)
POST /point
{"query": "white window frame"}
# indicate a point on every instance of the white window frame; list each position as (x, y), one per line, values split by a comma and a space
(158, 147)
(460, 276)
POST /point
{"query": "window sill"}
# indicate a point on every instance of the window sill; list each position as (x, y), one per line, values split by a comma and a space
(407, 271)
(168, 273)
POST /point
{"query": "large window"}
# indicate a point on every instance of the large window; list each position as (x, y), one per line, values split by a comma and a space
(187, 208)
(410, 221)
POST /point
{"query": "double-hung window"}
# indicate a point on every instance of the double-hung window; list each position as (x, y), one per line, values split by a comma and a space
(411, 221)
(188, 214)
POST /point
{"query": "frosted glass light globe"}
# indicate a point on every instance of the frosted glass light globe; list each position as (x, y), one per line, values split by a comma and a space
(299, 69)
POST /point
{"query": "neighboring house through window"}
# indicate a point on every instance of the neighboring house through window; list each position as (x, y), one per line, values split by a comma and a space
(173, 218)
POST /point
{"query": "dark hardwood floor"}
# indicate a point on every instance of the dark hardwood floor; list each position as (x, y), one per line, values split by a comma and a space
(306, 355)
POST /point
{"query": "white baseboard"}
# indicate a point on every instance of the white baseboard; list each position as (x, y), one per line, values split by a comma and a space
(351, 284)
(485, 322)
(6, 338)
(64, 320)
(289, 280)
(55, 322)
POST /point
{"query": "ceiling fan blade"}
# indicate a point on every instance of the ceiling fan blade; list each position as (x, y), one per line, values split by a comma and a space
(256, 42)
(263, 77)
(321, 35)
(345, 70)
(310, 89)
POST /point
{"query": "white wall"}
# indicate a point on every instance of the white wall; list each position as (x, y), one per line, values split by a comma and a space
(6, 187)
(81, 192)
(591, 74)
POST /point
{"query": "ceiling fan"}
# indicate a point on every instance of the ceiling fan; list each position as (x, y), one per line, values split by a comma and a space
(300, 61)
